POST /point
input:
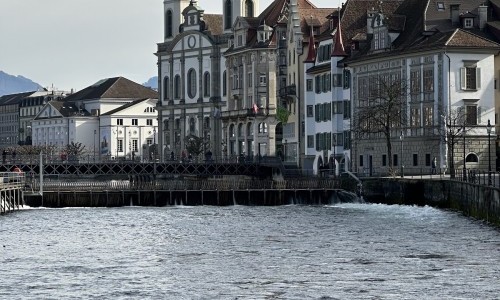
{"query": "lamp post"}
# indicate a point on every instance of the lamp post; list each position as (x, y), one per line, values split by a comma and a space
(401, 138)
(488, 129)
(465, 165)
(95, 131)
(154, 143)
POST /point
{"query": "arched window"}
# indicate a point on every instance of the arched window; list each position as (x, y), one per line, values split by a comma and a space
(249, 129)
(249, 8)
(228, 18)
(166, 83)
(168, 24)
(191, 83)
(224, 84)
(177, 87)
(206, 89)
(240, 130)
(472, 158)
(192, 125)
(262, 128)
(231, 130)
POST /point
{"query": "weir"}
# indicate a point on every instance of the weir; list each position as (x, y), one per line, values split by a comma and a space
(191, 193)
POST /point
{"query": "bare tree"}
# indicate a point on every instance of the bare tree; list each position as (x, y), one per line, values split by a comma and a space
(74, 150)
(382, 111)
(452, 132)
(196, 145)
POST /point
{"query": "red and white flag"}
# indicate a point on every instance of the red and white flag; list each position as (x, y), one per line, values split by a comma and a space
(255, 108)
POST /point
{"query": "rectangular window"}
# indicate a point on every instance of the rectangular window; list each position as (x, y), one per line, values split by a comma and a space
(250, 79)
(135, 145)
(262, 80)
(470, 78)
(427, 160)
(347, 109)
(120, 145)
(317, 84)
(310, 112)
(428, 116)
(149, 122)
(347, 140)
(119, 121)
(361, 160)
(310, 141)
(415, 160)
(135, 122)
(337, 80)
(395, 160)
(415, 117)
(309, 85)
(149, 141)
(347, 79)
(471, 114)
(384, 160)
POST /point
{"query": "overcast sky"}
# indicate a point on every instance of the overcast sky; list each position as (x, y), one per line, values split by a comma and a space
(74, 43)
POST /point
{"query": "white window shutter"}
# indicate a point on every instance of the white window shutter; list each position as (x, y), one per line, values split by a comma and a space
(478, 78)
(463, 84)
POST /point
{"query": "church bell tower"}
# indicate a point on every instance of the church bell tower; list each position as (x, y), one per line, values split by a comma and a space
(236, 8)
(172, 15)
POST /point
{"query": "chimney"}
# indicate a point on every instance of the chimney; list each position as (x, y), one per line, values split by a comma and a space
(370, 14)
(483, 16)
(455, 14)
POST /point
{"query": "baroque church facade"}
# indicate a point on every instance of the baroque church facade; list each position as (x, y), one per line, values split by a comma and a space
(192, 74)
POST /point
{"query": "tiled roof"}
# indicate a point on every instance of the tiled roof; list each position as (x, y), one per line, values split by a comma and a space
(214, 23)
(124, 107)
(68, 109)
(319, 15)
(462, 38)
(14, 98)
(354, 15)
(113, 88)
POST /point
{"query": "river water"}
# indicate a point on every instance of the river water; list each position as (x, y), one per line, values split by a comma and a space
(345, 251)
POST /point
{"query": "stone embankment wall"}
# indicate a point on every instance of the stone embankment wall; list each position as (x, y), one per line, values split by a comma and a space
(478, 201)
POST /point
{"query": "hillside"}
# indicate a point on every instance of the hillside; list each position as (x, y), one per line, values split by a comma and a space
(10, 84)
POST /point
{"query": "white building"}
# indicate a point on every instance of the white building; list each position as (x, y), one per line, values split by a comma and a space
(104, 117)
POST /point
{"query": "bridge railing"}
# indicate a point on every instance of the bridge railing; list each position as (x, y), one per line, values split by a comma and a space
(11, 180)
(87, 185)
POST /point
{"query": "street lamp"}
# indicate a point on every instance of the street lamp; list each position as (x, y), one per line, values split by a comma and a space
(488, 129)
(401, 138)
(154, 143)
(95, 131)
(465, 165)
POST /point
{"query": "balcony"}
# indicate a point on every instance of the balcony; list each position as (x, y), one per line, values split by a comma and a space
(288, 91)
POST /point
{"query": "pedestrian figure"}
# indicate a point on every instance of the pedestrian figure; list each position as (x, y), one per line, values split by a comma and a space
(183, 155)
(434, 163)
(172, 156)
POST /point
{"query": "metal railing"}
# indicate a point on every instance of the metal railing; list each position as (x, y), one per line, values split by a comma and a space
(11, 180)
(182, 185)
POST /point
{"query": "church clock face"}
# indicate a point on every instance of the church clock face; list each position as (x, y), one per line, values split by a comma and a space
(191, 41)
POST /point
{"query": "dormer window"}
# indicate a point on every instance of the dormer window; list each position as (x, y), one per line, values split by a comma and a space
(440, 6)
(468, 23)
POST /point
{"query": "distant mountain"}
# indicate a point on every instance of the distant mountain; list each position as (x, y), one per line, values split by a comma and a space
(10, 84)
(152, 83)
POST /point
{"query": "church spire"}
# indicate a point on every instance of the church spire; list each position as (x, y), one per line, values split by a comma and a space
(338, 49)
